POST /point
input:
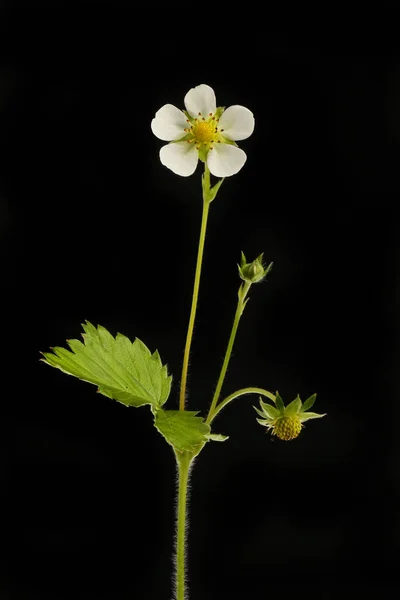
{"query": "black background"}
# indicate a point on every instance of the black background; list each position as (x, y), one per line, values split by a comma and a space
(94, 227)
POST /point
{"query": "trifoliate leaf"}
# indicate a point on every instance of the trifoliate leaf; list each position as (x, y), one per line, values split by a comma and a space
(217, 437)
(122, 370)
(182, 429)
(308, 403)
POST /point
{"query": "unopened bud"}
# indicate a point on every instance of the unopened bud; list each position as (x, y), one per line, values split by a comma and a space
(255, 271)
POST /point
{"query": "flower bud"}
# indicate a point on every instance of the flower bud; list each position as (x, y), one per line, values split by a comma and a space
(255, 271)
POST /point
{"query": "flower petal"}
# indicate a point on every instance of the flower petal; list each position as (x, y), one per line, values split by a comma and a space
(200, 99)
(225, 160)
(181, 158)
(169, 123)
(237, 122)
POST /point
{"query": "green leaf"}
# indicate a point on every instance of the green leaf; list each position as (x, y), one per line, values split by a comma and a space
(182, 429)
(308, 403)
(217, 437)
(279, 402)
(293, 407)
(122, 370)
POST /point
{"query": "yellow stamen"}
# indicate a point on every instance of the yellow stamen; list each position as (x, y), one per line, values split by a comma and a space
(203, 132)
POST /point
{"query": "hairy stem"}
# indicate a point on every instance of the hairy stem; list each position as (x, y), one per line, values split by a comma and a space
(184, 461)
(244, 288)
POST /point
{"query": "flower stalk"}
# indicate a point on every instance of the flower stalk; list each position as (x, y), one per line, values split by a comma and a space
(237, 394)
(243, 290)
(209, 194)
(195, 296)
(253, 272)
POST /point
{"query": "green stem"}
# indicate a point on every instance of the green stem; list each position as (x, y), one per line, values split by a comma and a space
(248, 390)
(184, 461)
(185, 365)
(244, 288)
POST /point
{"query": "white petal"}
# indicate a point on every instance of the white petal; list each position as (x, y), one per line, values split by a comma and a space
(237, 122)
(225, 160)
(200, 99)
(181, 158)
(169, 123)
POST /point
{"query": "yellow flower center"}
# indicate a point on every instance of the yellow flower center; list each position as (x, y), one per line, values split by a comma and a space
(203, 132)
(287, 428)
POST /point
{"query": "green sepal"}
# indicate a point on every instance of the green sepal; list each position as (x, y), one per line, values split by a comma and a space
(217, 437)
(279, 402)
(185, 138)
(310, 415)
(264, 422)
(267, 410)
(203, 151)
(122, 370)
(226, 140)
(308, 403)
(182, 429)
(187, 115)
(219, 111)
(293, 407)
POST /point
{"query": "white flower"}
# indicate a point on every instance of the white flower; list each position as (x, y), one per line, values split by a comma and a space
(202, 131)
